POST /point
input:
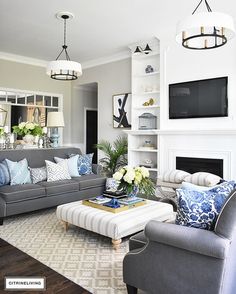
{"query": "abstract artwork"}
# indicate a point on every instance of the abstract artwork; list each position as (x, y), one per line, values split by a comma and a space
(122, 110)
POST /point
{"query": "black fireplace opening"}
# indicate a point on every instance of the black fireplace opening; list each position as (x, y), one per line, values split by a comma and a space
(193, 165)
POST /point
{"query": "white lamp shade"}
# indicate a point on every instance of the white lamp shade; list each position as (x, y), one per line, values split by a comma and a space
(63, 66)
(192, 24)
(55, 119)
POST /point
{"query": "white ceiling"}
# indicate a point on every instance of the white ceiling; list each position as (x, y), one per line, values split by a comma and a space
(100, 28)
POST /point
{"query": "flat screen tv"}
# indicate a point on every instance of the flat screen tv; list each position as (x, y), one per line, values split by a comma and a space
(195, 99)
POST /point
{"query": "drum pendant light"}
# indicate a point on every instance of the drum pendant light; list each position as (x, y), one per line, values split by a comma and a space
(205, 30)
(64, 69)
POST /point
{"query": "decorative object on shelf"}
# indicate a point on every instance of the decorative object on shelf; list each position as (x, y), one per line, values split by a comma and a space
(115, 155)
(205, 30)
(148, 145)
(3, 117)
(147, 163)
(64, 70)
(139, 50)
(132, 179)
(149, 69)
(150, 102)
(148, 88)
(122, 110)
(55, 120)
(147, 121)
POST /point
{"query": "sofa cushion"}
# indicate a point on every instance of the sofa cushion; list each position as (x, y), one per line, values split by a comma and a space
(90, 181)
(19, 172)
(4, 173)
(57, 171)
(18, 193)
(201, 209)
(38, 174)
(84, 163)
(60, 187)
(72, 164)
(203, 179)
(174, 176)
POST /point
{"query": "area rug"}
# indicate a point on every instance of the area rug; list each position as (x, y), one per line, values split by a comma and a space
(86, 258)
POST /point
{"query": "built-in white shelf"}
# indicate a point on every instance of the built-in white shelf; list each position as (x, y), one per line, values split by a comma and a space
(146, 93)
(146, 75)
(146, 107)
(141, 132)
(143, 150)
(145, 56)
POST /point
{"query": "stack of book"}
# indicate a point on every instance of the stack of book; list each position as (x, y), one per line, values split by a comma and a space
(100, 200)
(130, 200)
(114, 194)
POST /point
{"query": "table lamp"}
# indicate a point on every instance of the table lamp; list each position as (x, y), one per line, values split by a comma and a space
(55, 120)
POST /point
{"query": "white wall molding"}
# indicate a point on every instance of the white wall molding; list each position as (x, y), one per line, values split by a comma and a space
(43, 63)
(23, 59)
(108, 59)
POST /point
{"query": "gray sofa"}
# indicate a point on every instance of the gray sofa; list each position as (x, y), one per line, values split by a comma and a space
(172, 259)
(29, 197)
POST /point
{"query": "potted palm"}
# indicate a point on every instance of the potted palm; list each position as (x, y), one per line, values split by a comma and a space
(115, 155)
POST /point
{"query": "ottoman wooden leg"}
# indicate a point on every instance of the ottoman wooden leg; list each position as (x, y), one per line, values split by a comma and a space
(116, 243)
(65, 225)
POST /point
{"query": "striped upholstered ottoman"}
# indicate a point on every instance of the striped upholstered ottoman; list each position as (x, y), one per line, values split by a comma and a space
(115, 226)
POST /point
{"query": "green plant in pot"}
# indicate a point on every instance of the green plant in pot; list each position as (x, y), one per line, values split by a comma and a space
(115, 155)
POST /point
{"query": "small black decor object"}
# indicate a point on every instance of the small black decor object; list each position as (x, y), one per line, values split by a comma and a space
(147, 121)
(149, 69)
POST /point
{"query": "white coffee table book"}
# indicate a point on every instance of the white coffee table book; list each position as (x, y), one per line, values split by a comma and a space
(115, 226)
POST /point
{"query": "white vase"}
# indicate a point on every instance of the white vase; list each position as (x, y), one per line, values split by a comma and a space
(28, 139)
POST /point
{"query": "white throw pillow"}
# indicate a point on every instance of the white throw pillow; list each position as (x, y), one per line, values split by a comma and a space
(203, 179)
(57, 171)
(72, 164)
(174, 176)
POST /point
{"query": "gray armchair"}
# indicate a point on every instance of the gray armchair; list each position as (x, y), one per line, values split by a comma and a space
(172, 259)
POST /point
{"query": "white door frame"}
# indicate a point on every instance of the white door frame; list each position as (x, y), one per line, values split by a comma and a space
(85, 119)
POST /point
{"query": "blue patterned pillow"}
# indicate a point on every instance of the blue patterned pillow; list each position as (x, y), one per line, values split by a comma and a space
(19, 172)
(84, 163)
(4, 174)
(199, 209)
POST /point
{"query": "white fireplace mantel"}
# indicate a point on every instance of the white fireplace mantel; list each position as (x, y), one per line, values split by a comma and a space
(218, 144)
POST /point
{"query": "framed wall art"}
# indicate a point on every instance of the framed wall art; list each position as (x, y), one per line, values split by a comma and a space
(122, 110)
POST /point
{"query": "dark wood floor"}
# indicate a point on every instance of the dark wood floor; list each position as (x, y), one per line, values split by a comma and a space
(14, 262)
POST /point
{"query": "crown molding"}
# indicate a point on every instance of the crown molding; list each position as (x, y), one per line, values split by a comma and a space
(108, 59)
(43, 63)
(23, 59)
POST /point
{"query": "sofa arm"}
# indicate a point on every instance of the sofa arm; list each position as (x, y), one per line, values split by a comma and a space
(190, 239)
(96, 169)
(3, 208)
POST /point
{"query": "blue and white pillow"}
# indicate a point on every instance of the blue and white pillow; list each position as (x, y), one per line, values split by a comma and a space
(72, 163)
(19, 172)
(84, 163)
(199, 209)
(112, 184)
(4, 174)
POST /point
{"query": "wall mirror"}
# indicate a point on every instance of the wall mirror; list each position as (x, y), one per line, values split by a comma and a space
(17, 106)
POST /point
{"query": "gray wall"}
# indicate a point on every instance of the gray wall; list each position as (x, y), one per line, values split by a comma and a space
(28, 77)
(112, 78)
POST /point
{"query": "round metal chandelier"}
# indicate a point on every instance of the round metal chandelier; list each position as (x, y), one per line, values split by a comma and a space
(205, 30)
(64, 69)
